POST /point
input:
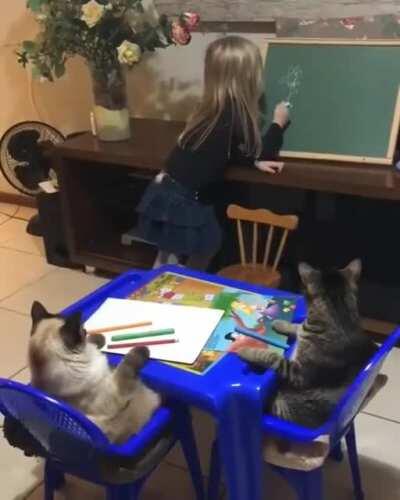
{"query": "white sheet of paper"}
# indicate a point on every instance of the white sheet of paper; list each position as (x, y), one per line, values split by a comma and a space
(193, 326)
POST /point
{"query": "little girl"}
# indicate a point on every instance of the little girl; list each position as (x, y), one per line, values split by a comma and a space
(174, 212)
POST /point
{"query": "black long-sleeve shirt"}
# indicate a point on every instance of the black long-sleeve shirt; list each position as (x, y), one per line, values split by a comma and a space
(197, 169)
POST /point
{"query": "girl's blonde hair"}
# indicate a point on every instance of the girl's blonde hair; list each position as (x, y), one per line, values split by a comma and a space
(232, 76)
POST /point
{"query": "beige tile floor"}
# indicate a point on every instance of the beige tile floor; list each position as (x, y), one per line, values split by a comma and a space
(25, 276)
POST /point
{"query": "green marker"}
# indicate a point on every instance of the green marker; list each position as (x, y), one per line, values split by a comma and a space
(143, 335)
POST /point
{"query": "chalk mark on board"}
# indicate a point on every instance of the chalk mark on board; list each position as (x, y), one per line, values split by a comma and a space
(292, 81)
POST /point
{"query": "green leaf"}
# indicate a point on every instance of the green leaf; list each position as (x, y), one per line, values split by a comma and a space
(59, 69)
(35, 5)
(139, 7)
(22, 59)
(28, 46)
(163, 20)
(36, 74)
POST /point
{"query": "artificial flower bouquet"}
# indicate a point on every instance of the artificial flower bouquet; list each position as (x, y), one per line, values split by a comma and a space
(108, 34)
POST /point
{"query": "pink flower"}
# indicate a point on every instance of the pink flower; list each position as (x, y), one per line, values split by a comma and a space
(191, 20)
(350, 22)
(180, 34)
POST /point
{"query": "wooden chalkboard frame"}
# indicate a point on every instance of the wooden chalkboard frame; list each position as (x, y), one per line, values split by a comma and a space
(388, 159)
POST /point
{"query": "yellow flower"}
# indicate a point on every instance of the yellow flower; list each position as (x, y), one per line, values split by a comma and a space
(92, 12)
(129, 53)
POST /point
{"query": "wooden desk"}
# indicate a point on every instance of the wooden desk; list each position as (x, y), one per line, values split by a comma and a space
(86, 165)
(153, 140)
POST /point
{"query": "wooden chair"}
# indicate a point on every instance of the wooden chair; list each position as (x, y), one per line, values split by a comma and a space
(254, 272)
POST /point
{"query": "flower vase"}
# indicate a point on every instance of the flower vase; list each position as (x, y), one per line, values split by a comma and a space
(111, 111)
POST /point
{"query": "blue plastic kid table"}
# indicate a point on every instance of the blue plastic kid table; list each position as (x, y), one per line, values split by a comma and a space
(229, 391)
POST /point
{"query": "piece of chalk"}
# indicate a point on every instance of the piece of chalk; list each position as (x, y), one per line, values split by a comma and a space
(93, 124)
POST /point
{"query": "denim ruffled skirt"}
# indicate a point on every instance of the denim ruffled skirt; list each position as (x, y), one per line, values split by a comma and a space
(172, 217)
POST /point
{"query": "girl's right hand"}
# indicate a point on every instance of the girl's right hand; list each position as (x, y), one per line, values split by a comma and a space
(281, 115)
(270, 167)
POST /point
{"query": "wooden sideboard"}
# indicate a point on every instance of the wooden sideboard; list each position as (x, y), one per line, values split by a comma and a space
(88, 169)
(152, 140)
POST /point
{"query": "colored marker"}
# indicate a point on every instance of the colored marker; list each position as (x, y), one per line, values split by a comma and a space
(140, 344)
(275, 343)
(143, 335)
(119, 327)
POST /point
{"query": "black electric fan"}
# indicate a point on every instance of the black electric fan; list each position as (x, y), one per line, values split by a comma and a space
(22, 159)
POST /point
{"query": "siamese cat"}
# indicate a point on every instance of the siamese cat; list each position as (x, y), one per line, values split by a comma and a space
(68, 364)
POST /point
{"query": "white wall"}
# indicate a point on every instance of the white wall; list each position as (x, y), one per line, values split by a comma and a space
(164, 85)
(167, 85)
(64, 104)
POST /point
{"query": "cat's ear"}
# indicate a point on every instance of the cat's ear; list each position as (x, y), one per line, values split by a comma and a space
(307, 273)
(352, 272)
(71, 332)
(73, 322)
(39, 312)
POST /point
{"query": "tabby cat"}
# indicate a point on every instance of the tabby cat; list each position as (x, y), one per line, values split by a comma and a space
(68, 364)
(331, 347)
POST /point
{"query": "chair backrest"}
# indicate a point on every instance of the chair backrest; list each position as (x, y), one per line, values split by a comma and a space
(356, 394)
(66, 435)
(267, 218)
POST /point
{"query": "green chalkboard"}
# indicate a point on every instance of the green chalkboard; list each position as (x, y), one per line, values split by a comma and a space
(344, 97)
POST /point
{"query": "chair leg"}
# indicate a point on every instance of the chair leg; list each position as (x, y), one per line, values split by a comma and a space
(313, 489)
(185, 434)
(214, 477)
(53, 481)
(308, 485)
(122, 492)
(354, 464)
(336, 453)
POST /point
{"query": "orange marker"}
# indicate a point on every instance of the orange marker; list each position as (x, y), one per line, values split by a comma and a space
(119, 327)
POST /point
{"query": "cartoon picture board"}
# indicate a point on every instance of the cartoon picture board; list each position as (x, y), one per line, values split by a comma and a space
(242, 309)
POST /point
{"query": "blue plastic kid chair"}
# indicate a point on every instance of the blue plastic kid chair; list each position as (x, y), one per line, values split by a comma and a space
(74, 445)
(309, 484)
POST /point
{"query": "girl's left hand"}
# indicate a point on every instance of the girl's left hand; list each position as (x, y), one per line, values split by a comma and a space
(270, 167)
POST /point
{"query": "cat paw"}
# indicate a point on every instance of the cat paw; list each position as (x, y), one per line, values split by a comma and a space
(247, 353)
(97, 339)
(285, 327)
(259, 357)
(138, 357)
(280, 325)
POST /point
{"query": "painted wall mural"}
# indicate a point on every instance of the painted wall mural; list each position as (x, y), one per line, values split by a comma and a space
(303, 18)
(251, 10)
(385, 26)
